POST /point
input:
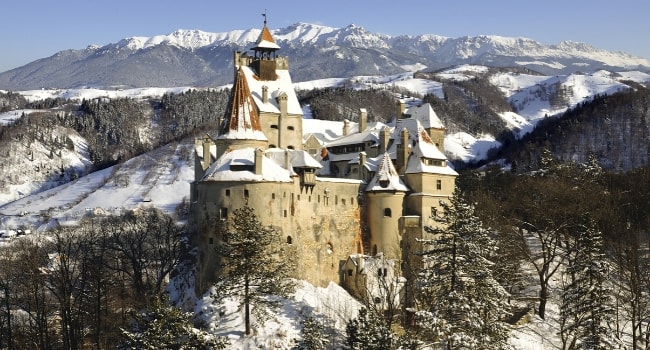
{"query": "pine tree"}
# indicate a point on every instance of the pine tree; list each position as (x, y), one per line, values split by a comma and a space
(460, 304)
(587, 307)
(253, 267)
(368, 332)
(167, 327)
(312, 333)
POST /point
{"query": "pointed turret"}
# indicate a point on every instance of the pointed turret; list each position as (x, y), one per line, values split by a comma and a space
(385, 194)
(241, 125)
(264, 61)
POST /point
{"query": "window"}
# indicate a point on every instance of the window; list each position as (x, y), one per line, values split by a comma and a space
(377, 300)
(285, 213)
(245, 193)
(387, 212)
(211, 240)
(272, 195)
(227, 193)
(434, 212)
(290, 127)
(439, 184)
(223, 213)
(273, 126)
(349, 272)
(289, 240)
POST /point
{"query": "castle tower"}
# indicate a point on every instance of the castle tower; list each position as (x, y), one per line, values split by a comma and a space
(385, 193)
(264, 62)
(241, 126)
(278, 108)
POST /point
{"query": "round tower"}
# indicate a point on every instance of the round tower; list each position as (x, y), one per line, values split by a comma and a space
(385, 197)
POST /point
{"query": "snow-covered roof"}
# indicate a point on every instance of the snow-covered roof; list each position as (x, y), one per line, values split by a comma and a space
(386, 178)
(242, 121)
(282, 84)
(426, 115)
(415, 166)
(356, 138)
(297, 158)
(265, 40)
(366, 263)
(417, 134)
(238, 165)
(425, 147)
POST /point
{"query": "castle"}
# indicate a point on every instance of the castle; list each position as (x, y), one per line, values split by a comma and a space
(370, 191)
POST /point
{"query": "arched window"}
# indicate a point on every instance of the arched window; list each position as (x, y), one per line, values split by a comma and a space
(387, 212)
(289, 240)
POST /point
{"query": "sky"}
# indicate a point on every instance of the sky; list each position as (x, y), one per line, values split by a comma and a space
(34, 29)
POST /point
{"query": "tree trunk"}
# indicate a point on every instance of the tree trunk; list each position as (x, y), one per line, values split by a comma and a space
(247, 311)
(543, 296)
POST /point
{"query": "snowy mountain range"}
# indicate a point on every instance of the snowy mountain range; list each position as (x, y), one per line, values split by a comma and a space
(202, 59)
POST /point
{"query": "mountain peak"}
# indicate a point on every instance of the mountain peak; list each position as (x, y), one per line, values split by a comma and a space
(317, 52)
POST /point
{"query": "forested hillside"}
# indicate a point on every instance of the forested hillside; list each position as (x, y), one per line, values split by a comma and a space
(613, 128)
(60, 140)
(584, 234)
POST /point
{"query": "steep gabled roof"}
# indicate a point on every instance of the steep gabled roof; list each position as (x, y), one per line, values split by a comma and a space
(242, 120)
(281, 85)
(425, 147)
(386, 178)
(426, 115)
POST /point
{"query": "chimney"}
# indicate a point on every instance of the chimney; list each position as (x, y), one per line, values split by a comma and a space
(207, 157)
(384, 137)
(282, 99)
(346, 127)
(265, 94)
(287, 160)
(403, 151)
(401, 108)
(363, 119)
(362, 164)
(259, 153)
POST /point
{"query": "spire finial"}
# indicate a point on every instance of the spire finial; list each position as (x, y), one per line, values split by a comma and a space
(264, 14)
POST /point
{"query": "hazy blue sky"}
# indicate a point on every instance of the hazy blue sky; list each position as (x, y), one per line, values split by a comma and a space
(33, 29)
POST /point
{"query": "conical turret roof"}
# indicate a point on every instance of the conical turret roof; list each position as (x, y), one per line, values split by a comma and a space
(265, 41)
(386, 178)
(242, 120)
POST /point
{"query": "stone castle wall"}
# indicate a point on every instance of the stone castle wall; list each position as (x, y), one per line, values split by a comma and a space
(320, 225)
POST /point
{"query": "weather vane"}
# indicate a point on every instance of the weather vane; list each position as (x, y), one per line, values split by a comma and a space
(264, 14)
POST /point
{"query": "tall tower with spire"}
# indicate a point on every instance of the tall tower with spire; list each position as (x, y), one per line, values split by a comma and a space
(267, 75)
